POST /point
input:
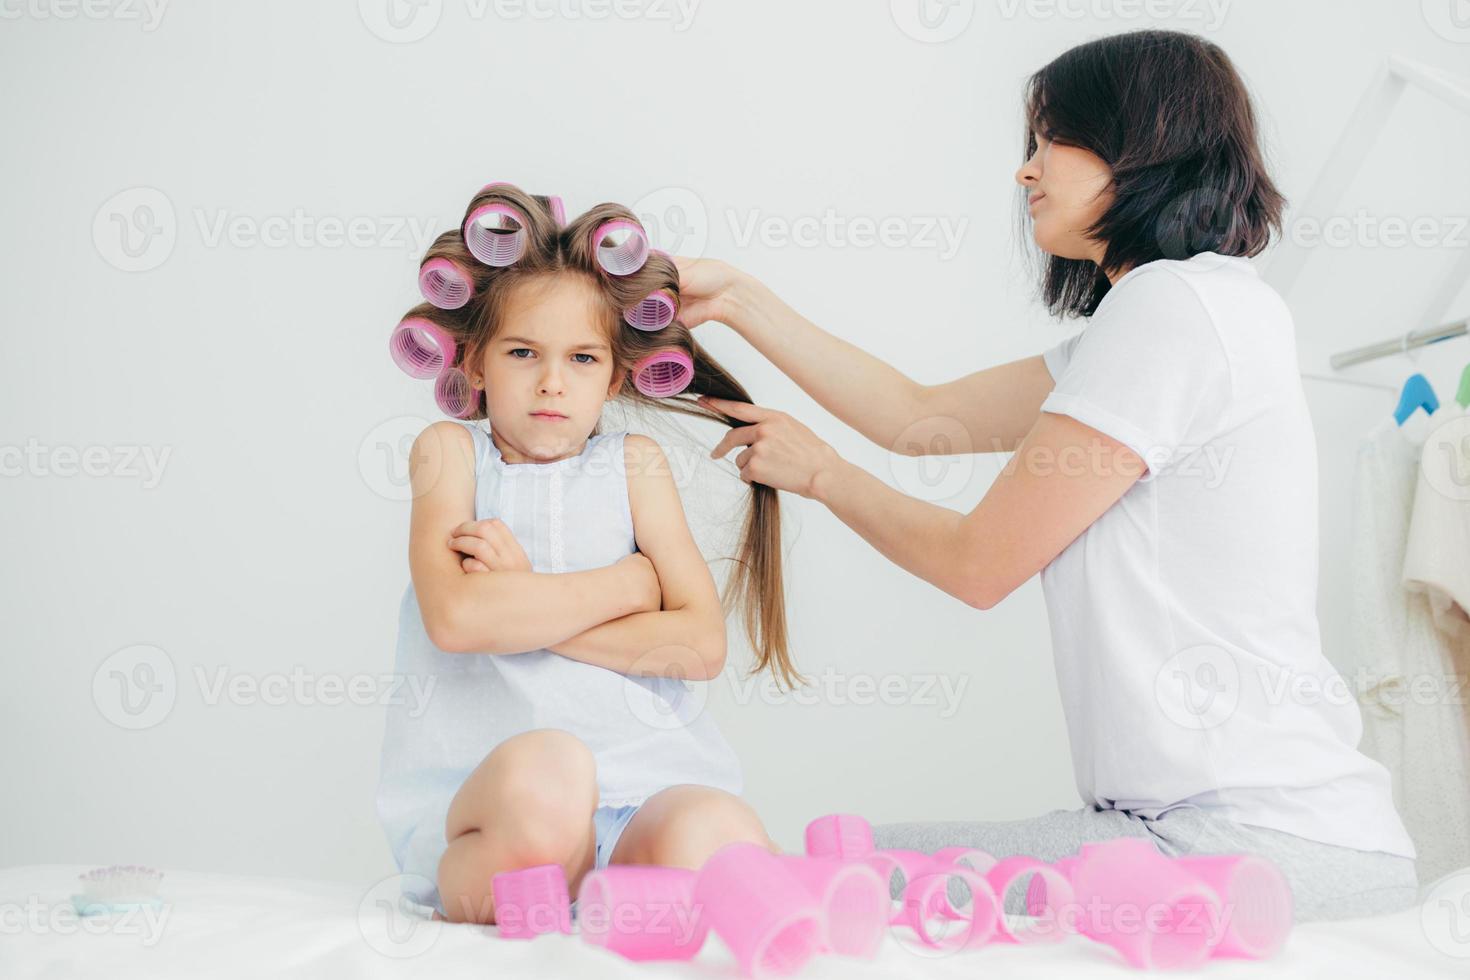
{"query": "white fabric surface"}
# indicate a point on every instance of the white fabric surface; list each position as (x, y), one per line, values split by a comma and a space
(229, 926)
(1184, 619)
(1411, 680)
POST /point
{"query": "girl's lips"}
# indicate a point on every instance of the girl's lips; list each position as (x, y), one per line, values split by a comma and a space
(548, 416)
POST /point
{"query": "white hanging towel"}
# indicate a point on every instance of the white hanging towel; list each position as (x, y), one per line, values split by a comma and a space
(1412, 691)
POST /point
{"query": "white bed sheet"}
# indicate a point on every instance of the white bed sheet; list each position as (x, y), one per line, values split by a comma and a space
(219, 925)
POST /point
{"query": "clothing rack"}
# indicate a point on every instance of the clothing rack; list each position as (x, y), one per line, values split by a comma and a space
(1410, 340)
(1342, 165)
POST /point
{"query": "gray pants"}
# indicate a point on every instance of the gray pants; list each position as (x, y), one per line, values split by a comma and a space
(1327, 881)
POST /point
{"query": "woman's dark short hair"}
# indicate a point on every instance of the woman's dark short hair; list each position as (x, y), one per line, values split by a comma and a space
(1173, 120)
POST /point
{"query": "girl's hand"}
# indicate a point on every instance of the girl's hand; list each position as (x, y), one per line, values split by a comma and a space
(779, 452)
(708, 290)
(488, 546)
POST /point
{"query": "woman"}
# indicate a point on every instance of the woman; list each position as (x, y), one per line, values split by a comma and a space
(1164, 484)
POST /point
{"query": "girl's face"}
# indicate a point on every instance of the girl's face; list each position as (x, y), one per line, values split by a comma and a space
(548, 371)
(1069, 188)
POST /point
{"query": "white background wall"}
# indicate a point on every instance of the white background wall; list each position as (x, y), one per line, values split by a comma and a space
(274, 540)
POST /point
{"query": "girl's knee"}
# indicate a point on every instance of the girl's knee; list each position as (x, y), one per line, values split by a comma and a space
(541, 782)
(701, 824)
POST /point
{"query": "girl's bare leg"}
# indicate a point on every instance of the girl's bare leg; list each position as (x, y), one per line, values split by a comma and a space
(529, 802)
(680, 827)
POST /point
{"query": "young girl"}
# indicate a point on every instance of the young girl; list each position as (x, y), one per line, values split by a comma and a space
(558, 599)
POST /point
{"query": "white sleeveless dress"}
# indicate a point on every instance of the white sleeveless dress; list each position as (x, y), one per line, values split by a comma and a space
(647, 733)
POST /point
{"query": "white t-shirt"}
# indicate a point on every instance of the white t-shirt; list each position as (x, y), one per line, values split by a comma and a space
(1184, 620)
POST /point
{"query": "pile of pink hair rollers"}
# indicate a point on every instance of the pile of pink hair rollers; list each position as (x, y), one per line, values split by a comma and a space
(777, 911)
(496, 235)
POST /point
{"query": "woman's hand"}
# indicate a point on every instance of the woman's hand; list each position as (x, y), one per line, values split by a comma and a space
(488, 546)
(779, 451)
(709, 289)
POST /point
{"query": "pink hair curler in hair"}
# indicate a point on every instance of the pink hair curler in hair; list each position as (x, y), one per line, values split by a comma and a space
(853, 899)
(1149, 908)
(454, 394)
(762, 911)
(531, 902)
(1257, 910)
(653, 312)
(663, 373)
(1050, 923)
(841, 835)
(420, 347)
(445, 284)
(641, 912)
(621, 247)
(495, 234)
(558, 210)
(930, 911)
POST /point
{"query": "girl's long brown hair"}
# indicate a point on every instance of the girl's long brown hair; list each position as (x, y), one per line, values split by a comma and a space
(755, 584)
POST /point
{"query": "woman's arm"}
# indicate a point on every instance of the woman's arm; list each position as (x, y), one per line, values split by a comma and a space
(686, 638)
(1063, 477)
(499, 611)
(988, 411)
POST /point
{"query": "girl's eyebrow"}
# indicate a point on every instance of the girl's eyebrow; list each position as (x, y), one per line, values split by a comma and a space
(531, 343)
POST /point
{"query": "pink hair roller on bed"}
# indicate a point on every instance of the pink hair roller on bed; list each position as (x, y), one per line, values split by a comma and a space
(421, 347)
(1051, 916)
(839, 835)
(454, 394)
(930, 912)
(621, 247)
(1257, 913)
(558, 210)
(853, 900)
(531, 902)
(1148, 907)
(641, 912)
(495, 234)
(663, 373)
(445, 284)
(653, 312)
(762, 911)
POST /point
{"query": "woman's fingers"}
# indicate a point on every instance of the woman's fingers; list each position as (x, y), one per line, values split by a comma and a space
(743, 436)
(744, 411)
(473, 565)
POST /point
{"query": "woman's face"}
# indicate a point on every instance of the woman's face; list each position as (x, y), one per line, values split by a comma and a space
(548, 370)
(1068, 190)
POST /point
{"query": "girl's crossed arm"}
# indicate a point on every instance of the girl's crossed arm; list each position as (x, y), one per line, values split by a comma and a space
(686, 638)
(510, 611)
